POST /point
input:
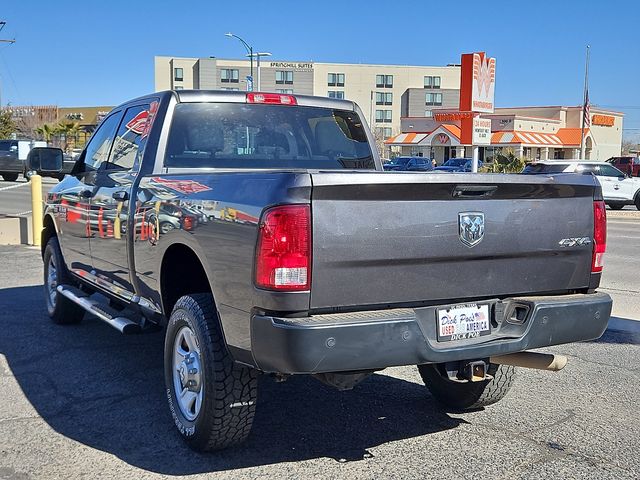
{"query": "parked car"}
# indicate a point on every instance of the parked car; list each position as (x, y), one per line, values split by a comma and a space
(456, 165)
(409, 164)
(13, 155)
(629, 165)
(618, 188)
(321, 264)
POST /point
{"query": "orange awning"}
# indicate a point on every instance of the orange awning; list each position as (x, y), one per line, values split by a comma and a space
(406, 139)
(564, 137)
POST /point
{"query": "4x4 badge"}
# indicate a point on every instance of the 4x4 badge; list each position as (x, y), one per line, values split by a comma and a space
(471, 225)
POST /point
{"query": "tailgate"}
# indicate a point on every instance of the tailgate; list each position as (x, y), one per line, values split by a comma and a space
(389, 238)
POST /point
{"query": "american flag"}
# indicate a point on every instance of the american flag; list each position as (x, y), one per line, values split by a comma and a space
(586, 111)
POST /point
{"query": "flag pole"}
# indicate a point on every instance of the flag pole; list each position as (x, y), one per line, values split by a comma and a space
(584, 104)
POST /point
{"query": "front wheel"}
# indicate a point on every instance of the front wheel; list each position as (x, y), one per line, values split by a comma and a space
(637, 201)
(615, 206)
(212, 399)
(469, 395)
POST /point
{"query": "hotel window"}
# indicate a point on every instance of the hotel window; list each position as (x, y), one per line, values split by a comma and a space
(178, 87)
(428, 113)
(384, 81)
(229, 75)
(384, 98)
(178, 75)
(233, 89)
(335, 79)
(287, 91)
(433, 99)
(336, 94)
(431, 82)
(284, 77)
(383, 116)
(386, 132)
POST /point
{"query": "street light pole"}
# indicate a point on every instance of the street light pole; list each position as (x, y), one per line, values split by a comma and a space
(258, 55)
(4, 40)
(249, 50)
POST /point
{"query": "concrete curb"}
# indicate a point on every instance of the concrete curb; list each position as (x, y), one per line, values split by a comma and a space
(16, 231)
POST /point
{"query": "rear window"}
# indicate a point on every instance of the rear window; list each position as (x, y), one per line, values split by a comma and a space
(233, 135)
(539, 168)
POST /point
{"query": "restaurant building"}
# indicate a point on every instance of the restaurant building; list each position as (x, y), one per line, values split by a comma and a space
(536, 133)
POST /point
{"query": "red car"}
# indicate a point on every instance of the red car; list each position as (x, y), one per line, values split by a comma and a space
(629, 165)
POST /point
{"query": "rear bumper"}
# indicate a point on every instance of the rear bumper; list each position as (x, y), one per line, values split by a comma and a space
(379, 339)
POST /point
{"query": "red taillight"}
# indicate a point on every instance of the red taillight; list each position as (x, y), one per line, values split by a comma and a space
(283, 255)
(599, 235)
(271, 98)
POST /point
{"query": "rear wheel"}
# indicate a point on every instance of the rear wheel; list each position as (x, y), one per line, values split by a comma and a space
(212, 399)
(469, 395)
(10, 177)
(637, 201)
(60, 309)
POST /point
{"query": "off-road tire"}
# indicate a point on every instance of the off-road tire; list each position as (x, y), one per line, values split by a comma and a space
(470, 395)
(230, 390)
(10, 177)
(64, 311)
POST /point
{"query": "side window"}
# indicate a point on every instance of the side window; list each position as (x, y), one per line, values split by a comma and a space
(130, 140)
(609, 171)
(98, 148)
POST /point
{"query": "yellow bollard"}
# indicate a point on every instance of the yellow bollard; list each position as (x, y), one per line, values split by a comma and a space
(36, 207)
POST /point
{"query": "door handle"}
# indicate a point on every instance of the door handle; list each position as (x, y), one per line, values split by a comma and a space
(85, 193)
(120, 195)
(474, 191)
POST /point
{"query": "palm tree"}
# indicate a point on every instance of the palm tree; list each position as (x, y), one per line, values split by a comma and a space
(45, 131)
(68, 130)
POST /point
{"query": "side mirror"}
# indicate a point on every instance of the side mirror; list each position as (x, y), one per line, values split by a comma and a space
(45, 160)
(621, 178)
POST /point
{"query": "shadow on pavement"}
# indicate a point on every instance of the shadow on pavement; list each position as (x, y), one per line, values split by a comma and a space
(105, 390)
(621, 330)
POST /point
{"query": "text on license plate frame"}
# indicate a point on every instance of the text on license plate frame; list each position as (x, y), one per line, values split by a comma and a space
(463, 321)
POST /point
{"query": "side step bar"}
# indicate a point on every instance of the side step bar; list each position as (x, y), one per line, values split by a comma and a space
(103, 312)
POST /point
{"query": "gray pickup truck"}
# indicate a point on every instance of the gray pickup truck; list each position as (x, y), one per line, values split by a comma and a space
(292, 252)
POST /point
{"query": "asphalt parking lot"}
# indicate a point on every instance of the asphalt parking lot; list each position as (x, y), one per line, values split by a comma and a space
(84, 401)
(15, 197)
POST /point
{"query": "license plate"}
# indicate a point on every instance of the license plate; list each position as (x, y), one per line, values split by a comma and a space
(461, 322)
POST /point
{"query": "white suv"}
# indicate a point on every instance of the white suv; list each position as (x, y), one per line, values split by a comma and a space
(618, 188)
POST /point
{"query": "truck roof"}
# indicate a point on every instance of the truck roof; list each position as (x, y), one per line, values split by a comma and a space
(194, 96)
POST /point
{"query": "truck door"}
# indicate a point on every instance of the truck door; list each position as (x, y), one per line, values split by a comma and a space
(76, 222)
(111, 202)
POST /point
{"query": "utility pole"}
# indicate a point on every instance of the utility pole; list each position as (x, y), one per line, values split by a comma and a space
(4, 40)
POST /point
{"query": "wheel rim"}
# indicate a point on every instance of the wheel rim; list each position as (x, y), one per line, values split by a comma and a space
(187, 373)
(52, 282)
(166, 228)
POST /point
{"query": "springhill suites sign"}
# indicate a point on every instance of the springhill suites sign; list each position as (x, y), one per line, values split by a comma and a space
(296, 66)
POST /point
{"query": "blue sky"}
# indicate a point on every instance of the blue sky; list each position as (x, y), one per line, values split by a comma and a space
(101, 53)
